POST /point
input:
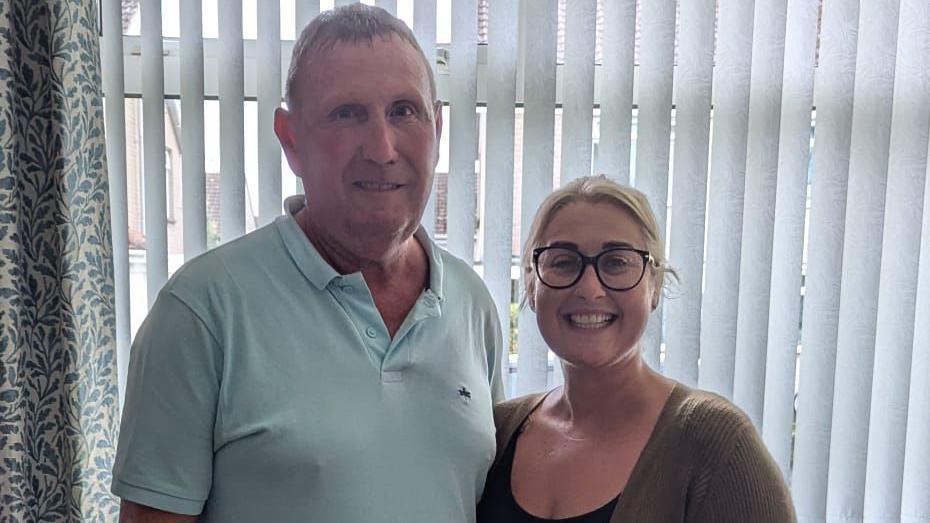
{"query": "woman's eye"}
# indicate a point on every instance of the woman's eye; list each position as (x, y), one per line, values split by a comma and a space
(617, 263)
(564, 263)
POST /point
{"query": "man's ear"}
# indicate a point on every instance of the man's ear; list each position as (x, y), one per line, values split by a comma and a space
(284, 129)
(437, 121)
(437, 118)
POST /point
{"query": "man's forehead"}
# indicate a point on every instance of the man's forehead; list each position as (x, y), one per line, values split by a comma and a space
(361, 65)
(391, 47)
(327, 44)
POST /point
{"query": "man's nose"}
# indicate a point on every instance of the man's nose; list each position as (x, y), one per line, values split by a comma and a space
(379, 145)
(589, 286)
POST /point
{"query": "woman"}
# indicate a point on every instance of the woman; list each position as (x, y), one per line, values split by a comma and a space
(618, 441)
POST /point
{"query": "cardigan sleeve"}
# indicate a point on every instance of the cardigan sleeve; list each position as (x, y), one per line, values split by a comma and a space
(747, 485)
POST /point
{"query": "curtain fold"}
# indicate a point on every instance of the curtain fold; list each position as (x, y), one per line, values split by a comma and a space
(58, 386)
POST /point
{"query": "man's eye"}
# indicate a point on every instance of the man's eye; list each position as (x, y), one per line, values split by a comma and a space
(347, 113)
(403, 110)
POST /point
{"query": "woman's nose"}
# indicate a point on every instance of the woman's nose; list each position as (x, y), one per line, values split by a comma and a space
(589, 286)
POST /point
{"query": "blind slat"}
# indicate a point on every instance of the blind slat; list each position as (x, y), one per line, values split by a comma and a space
(153, 128)
(268, 70)
(689, 188)
(111, 56)
(833, 96)
(388, 5)
(894, 329)
(868, 163)
(463, 62)
(424, 27)
(755, 275)
(725, 201)
(616, 90)
(193, 175)
(306, 10)
(915, 503)
(788, 233)
(232, 121)
(536, 181)
(499, 190)
(578, 91)
(654, 132)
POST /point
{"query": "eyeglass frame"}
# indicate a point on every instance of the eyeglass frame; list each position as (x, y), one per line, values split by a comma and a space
(592, 260)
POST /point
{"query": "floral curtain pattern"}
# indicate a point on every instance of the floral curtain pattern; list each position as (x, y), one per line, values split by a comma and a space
(58, 386)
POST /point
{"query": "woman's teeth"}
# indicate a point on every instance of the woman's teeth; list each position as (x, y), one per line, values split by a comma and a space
(590, 321)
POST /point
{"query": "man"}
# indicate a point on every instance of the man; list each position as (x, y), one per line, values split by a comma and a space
(335, 366)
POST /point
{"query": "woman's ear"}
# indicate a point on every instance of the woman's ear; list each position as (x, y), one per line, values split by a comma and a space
(531, 297)
(656, 289)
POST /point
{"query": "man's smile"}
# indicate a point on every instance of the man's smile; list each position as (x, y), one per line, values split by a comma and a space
(372, 186)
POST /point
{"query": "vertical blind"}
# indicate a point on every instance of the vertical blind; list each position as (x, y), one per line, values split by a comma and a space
(782, 143)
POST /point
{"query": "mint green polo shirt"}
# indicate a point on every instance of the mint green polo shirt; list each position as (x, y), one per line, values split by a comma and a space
(263, 386)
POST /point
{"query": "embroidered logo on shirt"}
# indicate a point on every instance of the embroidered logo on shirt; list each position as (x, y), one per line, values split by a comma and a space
(465, 394)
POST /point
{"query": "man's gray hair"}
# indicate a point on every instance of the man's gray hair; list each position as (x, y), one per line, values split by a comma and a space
(352, 23)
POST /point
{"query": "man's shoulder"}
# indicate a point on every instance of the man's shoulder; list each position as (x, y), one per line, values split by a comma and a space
(217, 266)
(455, 266)
(460, 277)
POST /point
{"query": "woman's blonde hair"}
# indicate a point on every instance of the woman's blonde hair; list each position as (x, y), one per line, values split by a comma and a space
(597, 189)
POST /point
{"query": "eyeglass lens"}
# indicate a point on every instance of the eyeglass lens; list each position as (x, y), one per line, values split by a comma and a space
(617, 268)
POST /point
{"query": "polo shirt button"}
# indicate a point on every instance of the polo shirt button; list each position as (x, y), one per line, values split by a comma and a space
(348, 289)
(370, 332)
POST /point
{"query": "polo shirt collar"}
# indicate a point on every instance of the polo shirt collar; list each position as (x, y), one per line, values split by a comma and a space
(305, 256)
(319, 272)
(435, 262)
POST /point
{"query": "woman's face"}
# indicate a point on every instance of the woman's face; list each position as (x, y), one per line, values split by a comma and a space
(587, 324)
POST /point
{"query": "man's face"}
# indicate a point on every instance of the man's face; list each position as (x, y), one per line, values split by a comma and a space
(365, 141)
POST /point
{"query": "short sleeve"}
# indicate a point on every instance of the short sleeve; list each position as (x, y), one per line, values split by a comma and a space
(165, 455)
(748, 486)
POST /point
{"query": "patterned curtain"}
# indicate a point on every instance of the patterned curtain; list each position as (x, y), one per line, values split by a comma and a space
(58, 392)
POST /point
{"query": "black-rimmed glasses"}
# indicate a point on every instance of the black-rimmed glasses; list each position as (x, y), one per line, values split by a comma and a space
(617, 268)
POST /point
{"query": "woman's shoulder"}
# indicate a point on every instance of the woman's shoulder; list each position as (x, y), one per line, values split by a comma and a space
(509, 415)
(705, 418)
(517, 408)
(734, 477)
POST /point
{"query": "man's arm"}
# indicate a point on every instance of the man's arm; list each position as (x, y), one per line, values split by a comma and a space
(130, 512)
(165, 454)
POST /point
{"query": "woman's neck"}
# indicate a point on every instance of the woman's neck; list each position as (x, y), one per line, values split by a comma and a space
(605, 398)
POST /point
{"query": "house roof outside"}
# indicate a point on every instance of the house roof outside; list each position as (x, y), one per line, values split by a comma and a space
(130, 8)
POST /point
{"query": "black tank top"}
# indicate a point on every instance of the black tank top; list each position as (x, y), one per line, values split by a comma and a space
(499, 506)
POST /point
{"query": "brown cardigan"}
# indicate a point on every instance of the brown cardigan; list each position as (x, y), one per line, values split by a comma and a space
(704, 462)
